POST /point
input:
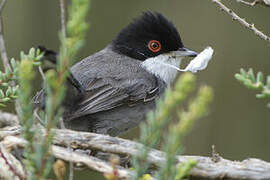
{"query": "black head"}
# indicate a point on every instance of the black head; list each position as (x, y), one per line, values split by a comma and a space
(148, 36)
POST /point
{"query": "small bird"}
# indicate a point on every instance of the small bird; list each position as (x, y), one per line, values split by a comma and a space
(112, 90)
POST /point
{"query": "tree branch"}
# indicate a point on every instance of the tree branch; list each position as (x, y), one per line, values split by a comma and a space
(71, 156)
(10, 167)
(242, 21)
(2, 5)
(263, 2)
(90, 161)
(3, 50)
(8, 119)
(205, 168)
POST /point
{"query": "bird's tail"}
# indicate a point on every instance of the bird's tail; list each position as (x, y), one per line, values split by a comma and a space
(49, 62)
(49, 54)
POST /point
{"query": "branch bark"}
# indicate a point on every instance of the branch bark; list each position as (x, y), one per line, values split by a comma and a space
(89, 161)
(69, 155)
(206, 167)
(8, 119)
(10, 167)
(242, 21)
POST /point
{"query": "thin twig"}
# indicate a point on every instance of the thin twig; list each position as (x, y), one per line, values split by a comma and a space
(242, 21)
(63, 29)
(248, 3)
(2, 5)
(36, 115)
(255, 2)
(63, 19)
(41, 73)
(3, 50)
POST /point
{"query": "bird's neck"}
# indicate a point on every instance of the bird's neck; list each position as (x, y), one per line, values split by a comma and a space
(155, 65)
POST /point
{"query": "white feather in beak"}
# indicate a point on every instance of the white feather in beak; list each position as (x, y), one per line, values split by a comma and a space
(166, 66)
(199, 63)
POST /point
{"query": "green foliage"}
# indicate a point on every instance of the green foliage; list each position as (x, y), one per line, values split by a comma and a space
(55, 89)
(33, 55)
(151, 131)
(8, 80)
(8, 92)
(255, 82)
(156, 121)
(38, 161)
(25, 77)
(196, 109)
(184, 168)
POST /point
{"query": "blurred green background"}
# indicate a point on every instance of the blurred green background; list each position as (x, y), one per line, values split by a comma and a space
(238, 123)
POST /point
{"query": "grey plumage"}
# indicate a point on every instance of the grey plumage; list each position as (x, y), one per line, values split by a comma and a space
(110, 80)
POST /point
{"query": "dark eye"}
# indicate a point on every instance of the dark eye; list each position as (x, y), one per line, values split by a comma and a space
(154, 45)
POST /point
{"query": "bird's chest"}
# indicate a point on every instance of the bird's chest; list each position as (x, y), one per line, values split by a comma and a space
(165, 72)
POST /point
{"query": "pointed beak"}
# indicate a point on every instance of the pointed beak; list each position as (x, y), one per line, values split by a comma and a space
(185, 52)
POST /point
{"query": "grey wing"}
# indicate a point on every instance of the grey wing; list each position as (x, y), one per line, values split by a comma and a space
(102, 95)
(107, 86)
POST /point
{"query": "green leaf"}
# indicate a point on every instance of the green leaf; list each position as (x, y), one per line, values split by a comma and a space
(5, 84)
(22, 56)
(31, 53)
(38, 52)
(1, 76)
(13, 63)
(239, 77)
(243, 72)
(260, 85)
(260, 77)
(39, 57)
(260, 96)
(2, 105)
(2, 94)
(184, 169)
(6, 99)
(14, 96)
(248, 79)
(9, 91)
(8, 71)
(268, 82)
(251, 75)
(36, 63)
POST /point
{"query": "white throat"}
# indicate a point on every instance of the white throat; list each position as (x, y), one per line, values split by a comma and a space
(160, 67)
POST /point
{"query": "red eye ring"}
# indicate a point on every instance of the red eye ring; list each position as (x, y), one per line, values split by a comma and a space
(154, 45)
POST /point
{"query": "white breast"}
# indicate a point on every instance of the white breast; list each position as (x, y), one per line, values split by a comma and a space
(155, 65)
